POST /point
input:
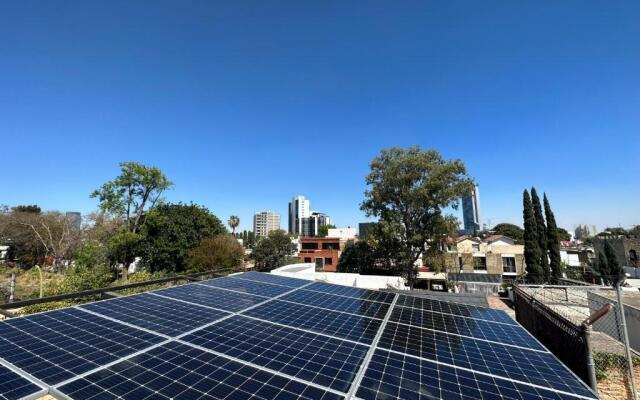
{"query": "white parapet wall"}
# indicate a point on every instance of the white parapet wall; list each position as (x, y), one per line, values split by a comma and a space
(308, 271)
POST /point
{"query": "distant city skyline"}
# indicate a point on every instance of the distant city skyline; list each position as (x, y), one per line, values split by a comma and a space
(243, 106)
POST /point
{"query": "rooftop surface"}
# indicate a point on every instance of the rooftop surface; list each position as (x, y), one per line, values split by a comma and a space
(264, 336)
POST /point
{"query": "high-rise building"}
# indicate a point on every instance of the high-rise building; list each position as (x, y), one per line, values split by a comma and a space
(75, 218)
(265, 222)
(299, 209)
(314, 222)
(471, 212)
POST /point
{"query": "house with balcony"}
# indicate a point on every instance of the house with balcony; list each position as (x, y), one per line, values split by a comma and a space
(495, 255)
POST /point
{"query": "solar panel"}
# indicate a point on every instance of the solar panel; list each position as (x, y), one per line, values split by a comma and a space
(316, 358)
(396, 376)
(263, 336)
(346, 326)
(14, 386)
(178, 371)
(475, 328)
(348, 291)
(271, 278)
(159, 314)
(535, 367)
(338, 303)
(464, 310)
(211, 297)
(60, 344)
(247, 286)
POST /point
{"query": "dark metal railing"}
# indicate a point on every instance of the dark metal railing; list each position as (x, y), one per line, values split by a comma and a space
(102, 291)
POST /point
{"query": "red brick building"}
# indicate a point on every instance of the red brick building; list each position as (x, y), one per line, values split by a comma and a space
(324, 252)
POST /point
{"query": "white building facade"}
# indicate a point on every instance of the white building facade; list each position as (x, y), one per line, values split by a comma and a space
(299, 210)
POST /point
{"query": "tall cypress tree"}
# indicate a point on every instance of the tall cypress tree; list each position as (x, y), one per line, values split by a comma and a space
(553, 243)
(541, 231)
(531, 247)
(615, 271)
(603, 267)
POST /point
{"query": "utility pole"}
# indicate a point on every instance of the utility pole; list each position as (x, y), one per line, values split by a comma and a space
(12, 287)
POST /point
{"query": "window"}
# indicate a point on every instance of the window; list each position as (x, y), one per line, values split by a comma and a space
(328, 261)
(480, 263)
(331, 246)
(460, 262)
(475, 248)
(508, 264)
(309, 246)
(307, 259)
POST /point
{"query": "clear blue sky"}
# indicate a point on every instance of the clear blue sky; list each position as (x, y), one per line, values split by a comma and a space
(245, 104)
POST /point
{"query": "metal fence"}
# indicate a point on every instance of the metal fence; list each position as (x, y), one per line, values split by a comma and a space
(586, 329)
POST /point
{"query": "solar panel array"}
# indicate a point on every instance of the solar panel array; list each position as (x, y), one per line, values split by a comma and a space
(263, 336)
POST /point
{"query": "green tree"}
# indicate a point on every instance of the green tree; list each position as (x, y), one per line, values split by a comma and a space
(407, 191)
(553, 241)
(272, 251)
(541, 231)
(616, 273)
(617, 231)
(123, 248)
(233, 222)
(564, 235)
(358, 257)
(133, 193)
(513, 231)
(221, 252)
(531, 247)
(323, 230)
(33, 209)
(603, 267)
(92, 254)
(172, 230)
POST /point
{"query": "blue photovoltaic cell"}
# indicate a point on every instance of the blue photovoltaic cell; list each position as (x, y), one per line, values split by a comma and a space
(535, 367)
(338, 303)
(247, 286)
(309, 344)
(315, 358)
(476, 328)
(13, 386)
(347, 326)
(57, 345)
(463, 310)
(178, 371)
(396, 376)
(211, 297)
(158, 314)
(357, 293)
(271, 278)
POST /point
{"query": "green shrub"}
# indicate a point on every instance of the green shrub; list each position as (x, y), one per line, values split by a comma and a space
(53, 305)
(608, 361)
(79, 278)
(141, 276)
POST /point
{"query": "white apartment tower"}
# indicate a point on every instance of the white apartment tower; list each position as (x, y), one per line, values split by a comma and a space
(299, 210)
(265, 222)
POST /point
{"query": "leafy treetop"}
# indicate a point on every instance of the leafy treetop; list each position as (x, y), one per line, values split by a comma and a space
(408, 188)
(323, 230)
(132, 193)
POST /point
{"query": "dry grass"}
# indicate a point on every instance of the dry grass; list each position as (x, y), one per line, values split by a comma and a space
(28, 281)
